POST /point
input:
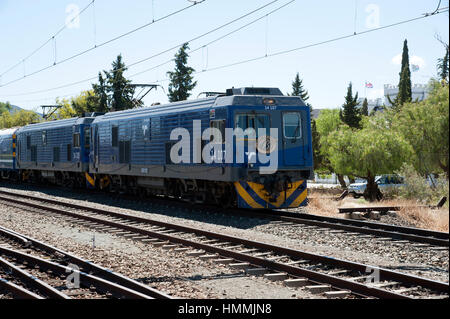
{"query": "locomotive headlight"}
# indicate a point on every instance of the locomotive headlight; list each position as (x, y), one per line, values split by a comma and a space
(269, 101)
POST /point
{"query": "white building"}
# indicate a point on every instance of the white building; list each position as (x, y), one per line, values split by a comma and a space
(419, 92)
(374, 104)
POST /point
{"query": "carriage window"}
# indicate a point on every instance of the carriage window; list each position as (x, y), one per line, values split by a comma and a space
(292, 125)
(255, 121)
(28, 142)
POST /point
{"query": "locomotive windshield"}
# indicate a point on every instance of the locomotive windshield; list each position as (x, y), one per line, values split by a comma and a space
(255, 121)
(292, 125)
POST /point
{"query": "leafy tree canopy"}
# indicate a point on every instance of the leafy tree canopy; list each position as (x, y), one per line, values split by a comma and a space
(18, 119)
(5, 107)
(425, 125)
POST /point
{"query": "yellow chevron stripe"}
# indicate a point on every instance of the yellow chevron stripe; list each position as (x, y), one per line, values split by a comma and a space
(259, 190)
(299, 199)
(245, 196)
(90, 179)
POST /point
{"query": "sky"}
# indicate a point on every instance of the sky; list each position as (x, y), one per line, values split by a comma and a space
(325, 69)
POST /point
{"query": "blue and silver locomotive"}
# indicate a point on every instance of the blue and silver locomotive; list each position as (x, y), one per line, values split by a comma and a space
(247, 148)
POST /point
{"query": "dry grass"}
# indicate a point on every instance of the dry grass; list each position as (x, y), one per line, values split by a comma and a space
(435, 219)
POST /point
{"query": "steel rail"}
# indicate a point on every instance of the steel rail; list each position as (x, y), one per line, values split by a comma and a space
(85, 278)
(29, 279)
(87, 266)
(370, 228)
(377, 229)
(296, 271)
(388, 227)
(18, 291)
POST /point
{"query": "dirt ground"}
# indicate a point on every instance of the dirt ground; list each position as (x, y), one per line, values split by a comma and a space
(323, 202)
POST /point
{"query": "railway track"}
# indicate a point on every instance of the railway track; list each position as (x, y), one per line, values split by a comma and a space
(31, 269)
(373, 230)
(416, 235)
(319, 274)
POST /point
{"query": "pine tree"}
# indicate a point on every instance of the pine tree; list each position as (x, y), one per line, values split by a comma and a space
(404, 86)
(121, 94)
(350, 113)
(365, 108)
(299, 90)
(181, 80)
(100, 98)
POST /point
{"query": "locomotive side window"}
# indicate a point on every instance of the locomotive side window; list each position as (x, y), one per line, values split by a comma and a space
(146, 127)
(155, 127)
(114, 136)
(28, 142)
(87, 138)
(255, 121)
(44, 138)
(76, 140)
(220, 125)
(292, 125)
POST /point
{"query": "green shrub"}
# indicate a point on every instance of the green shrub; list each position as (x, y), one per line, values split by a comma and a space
(419, 188)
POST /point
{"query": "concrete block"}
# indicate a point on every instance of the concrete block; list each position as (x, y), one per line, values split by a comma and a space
(256, 271)
(168, 247)
(224, 261)
(357, 216)
(300, 282)
(318, 289)
(160, 243)
(240, 265)
(375, 215)
(276, 277)
(181, 249)
(208, 257)
(195, 253)
(337, 294)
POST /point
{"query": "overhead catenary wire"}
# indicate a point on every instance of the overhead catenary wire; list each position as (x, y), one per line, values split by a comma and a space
(440, 11)
(172, 48)
(219, 38)
(102, 44)
(48, 41)
(311, 45)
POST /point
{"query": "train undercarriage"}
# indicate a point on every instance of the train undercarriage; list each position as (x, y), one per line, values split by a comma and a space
(270, 192)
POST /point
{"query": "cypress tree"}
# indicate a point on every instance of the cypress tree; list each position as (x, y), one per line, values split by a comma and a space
(181, 80)
(365, 108)
(299, 90)
(350, 113)
(404, 86)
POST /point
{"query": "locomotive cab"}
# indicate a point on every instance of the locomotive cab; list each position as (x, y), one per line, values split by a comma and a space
(285, 122)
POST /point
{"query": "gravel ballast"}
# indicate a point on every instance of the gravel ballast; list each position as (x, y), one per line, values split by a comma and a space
(429, 262)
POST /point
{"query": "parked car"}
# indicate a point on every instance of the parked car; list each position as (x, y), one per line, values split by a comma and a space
(385, 182)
